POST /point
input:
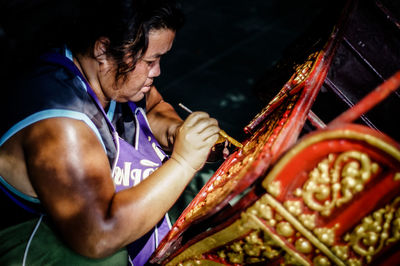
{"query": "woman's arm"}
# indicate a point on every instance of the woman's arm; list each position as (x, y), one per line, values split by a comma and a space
(70, 173)
(163, 119)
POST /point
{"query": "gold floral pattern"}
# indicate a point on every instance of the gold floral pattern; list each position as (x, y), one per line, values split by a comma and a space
(336, 180)
(376, 231)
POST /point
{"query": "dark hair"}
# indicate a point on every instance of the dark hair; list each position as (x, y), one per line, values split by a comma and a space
(127, 24)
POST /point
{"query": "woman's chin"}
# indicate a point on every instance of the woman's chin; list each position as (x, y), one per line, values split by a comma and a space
(139, 96)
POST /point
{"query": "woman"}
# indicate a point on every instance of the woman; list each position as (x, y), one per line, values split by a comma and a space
(81, 158)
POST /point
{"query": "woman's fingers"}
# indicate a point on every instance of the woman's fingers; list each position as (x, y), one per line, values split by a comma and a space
(194, 118)
(195, 139)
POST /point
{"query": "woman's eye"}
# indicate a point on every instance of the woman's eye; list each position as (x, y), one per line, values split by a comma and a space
(149, 62)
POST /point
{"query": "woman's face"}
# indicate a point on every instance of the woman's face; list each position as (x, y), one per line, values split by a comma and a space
(138, 81)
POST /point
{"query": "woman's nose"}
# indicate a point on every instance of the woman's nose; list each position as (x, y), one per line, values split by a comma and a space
(155, 70)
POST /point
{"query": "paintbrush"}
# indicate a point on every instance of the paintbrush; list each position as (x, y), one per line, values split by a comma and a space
(222, 134)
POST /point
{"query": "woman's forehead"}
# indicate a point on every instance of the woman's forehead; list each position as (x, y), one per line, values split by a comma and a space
(160, 42)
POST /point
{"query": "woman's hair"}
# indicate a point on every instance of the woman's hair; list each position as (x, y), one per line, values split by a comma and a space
(127, 24)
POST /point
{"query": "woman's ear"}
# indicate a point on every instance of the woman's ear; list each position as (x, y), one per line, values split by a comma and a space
(100, 48)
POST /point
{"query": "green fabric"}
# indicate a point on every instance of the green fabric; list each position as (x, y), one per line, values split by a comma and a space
(46, 248)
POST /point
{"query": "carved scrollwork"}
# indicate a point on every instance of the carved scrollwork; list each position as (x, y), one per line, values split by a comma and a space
(376, 231)
(336, 180)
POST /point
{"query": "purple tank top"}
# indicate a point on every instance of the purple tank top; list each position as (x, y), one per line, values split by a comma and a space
(132, 164)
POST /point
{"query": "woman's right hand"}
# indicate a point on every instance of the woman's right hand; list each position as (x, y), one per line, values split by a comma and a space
(194, 140)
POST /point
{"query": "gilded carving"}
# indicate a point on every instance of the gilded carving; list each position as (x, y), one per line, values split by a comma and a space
(326, 235)
(262, 210)
(303, 245)
(271, 252)
(285, 229)
(226, 179)
(335, 181)
(395, 227)
(354, 173)
(253, 239)
(354, 262)
(260, 246)
(255, 247)
(321, 261)
(289, 260)
(236, 257)
(376, 231)
(293, 206)
(274, 188)
(308, 220)
(341, 251)
(298, 192)
(272, 222)
(303, 70)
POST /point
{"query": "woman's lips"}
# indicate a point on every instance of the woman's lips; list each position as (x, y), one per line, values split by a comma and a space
(146, 88)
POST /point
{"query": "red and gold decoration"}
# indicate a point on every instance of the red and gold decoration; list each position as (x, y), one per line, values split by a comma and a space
(330, 197)
(330, 200)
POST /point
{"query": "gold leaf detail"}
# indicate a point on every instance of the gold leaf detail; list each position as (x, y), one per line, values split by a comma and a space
(236, 257)
(321, 261)
(303, 70)
(377, 230)
(274, 188)
(298, 192)
(261, 210)
(255, 247)
(341, 251)
(289, 260)
(293, 206)
(308, 220)
(336, 179)
(303, 245)
(326, 235)
(285, 229)
(354, 262)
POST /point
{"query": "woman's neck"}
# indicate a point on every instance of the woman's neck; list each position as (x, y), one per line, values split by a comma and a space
(89, 69)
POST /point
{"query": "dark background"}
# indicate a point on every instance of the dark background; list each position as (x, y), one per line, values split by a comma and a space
(225, 48)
